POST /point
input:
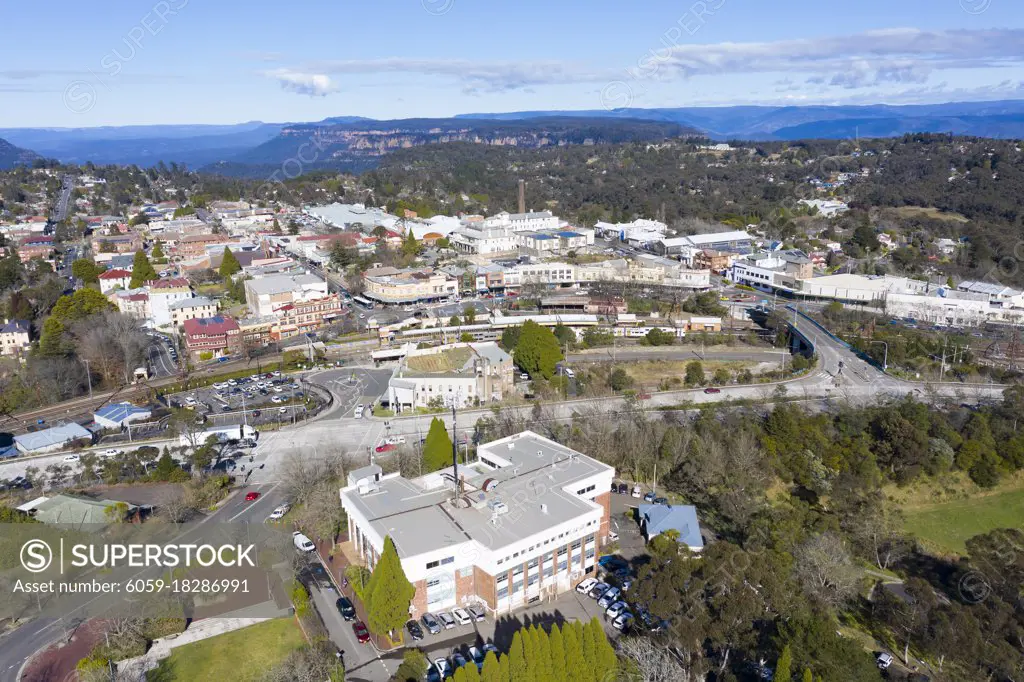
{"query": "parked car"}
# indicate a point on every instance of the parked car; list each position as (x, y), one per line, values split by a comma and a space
(884, 660)
(660, 500)
(613, 536)
(385, 447)
(443, 667)
(302, 543)
(358, 412)
(569, 373)
(585, 586)
(430, 623)
(461, 616)
(458, 660)
(415, 631)
(712, 389)
(649, 497)
(345, 608)
(476, 655)
(598, 590)
(361, 633)
(70, 459)
(279, 512)
(623, 489)
(615, 610)
(623, 622)
(446, 620)
(609, 597)
(637, 491)
(108, 454)
(477, 612)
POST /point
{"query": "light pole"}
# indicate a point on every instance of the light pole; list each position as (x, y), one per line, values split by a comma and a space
(885, 357)
(88, 376)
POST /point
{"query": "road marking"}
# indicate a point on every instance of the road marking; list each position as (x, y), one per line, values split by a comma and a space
(249, 508)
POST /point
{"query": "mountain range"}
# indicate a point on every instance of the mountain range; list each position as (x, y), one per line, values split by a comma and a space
(11, 156)
(355, 143)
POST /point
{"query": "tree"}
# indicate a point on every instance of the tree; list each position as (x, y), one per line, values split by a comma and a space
(293, 227)
(537, 351)
(229, 265)
(469, 314)
(158, 251)
(142, 270)
(465, 337)
(86, 270)
(657, 337)
(605, 661)
(705, 303)
(566, 336)
(721, 376)
(410, 247)
(575, 665)
(694, 373)
(808, 675)
(437, 448)
(413, 668)
(454, 321)
(492, 669)
(388, 594)
(619, 379)
(510, 338)
(139, 219)
(784, 665)
(557, 646)
(517, 669)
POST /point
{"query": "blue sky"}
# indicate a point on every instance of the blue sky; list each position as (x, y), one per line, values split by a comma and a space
(80, 64)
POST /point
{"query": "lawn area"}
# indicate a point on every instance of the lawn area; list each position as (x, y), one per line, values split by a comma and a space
(945, 526)
(239, 656)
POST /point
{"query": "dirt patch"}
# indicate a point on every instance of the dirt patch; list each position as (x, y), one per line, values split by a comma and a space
(58, 662)
(448, 361)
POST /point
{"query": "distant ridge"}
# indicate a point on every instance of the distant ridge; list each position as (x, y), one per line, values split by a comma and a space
(11, 156)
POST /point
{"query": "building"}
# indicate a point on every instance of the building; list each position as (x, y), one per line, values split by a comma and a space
(116, 243)
(524, 521)
(655, 519)
(117, 415)
(15, 337)
(828, 208)
(735, 241)
(52, 439)
(217, 335)
(134, 302)
(114, 279)
(468, 374)
(79, 512)
(194, 245)
(391, 285)
(715, 261)
(352, 216)
(269, 295)
(162, 294)
(190, 309)
(771, 269)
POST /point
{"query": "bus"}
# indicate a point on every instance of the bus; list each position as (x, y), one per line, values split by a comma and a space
(364, 302)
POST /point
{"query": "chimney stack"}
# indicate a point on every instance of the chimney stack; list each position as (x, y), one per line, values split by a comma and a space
(522, 196)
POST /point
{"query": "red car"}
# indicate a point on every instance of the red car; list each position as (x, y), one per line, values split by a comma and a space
(386, 447)
(362, 634)
(712, 390)
(250, 497)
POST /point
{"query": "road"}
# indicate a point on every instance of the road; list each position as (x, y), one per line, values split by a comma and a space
(60, 209)
(689, 352)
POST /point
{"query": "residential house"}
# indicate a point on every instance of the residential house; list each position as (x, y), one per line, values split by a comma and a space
(164, 292)
(114, 279)
(190, 309)
(15, 337)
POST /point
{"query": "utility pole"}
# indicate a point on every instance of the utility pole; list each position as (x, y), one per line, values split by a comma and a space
(942, 371)
(88, 376)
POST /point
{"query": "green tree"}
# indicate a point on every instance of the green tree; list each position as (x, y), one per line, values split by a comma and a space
(576, 668)
(158, 251)
(566, 336)
(166, 467)
(142, 270)
(530, 652)
(293, 227)
(389, 593)
(410, 247)
(517, 669)
(229, 265)
(504, 672)
(557, 646)
(80, 305)
(492, 669)
(619, 379)
(139, 219)
(694, 373)
(538, 351)
(543, 647)
(469, 314)
(86, 270)
(510, 338)
(784, 665)
(808, 675)
(437, 448)
(454, 321)
(721, 376)
(605, 661)
(465, 337)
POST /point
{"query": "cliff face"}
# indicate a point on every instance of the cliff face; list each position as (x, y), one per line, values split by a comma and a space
(359, 145)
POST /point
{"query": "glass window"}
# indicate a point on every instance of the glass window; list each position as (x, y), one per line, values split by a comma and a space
(502, 593)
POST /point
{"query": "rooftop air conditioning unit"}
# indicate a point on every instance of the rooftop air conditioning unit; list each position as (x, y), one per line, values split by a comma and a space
(498, 507)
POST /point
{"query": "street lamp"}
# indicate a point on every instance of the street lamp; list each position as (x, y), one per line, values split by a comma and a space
(885, 357)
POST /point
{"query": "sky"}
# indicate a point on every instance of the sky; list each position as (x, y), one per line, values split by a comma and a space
(119, 62)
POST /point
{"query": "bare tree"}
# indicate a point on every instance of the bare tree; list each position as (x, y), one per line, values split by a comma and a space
(824, 566)
(653, 663)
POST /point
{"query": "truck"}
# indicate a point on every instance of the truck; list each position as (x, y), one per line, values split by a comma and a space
(223, 434)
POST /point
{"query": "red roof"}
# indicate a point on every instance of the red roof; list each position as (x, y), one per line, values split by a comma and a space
(210, 326)
(116, 274)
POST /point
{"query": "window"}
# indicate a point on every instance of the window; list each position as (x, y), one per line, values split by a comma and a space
(517, 587)
(532, 564)
(503, 578)
(532, 580)
(503, 592)
(549, 571)
(562, 565)
(448, 560)
(576, 544)
(433, 564)
(590, 553)
(518, 571)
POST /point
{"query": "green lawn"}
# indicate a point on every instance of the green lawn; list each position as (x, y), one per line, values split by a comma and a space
(239, 656)
(945, 526)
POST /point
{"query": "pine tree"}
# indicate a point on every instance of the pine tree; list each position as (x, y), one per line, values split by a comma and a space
(605, 660)
(142, 270)
(158, 251)
(460, 674)
(472, 672)
(504, 671)
(544, 671)
(517, 669)
(437, 448)
(530, 653)
(492, 670)
(557, 646)
(389, 593)
(589, 652)
(808, 675)
(784, 665)
(229, 265)
(575, 666)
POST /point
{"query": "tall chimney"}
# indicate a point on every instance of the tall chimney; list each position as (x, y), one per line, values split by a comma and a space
(522, 196)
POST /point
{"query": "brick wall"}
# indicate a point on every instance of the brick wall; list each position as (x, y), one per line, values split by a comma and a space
(485, 585)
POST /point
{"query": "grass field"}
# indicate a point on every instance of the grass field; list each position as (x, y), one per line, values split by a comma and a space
(447, 361)
(239, 656)
(930, 212)
(945, 526)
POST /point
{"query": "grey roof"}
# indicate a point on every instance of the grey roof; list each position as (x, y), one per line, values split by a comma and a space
(281, 284)
(15, 327)
(418, 515)
(55, 435)
(658, 518)
(194, 302)
(75, 511)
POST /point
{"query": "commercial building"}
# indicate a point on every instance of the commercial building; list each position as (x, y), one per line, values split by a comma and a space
(117, 415)
(391, 285)
(162, 294)
(194, 245)
(217, 335)
(14, 337)
(269, 295)
(190, 309)
(51, 439)
(524, 521)
(466, 374)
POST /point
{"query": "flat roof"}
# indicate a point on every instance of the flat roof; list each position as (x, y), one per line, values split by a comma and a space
(419, 516)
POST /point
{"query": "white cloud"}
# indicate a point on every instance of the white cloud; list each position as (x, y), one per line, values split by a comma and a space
(312, 84)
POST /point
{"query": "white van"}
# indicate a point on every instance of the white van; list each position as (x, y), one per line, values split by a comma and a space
(302, 543)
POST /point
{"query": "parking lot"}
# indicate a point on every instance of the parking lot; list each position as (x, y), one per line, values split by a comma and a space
(258, 391)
